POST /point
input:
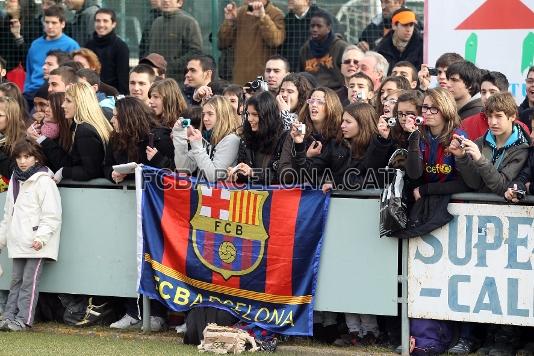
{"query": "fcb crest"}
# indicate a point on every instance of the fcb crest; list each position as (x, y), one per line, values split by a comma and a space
(227, 230)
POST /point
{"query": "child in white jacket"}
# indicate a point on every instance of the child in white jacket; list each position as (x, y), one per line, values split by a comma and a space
(30, 229)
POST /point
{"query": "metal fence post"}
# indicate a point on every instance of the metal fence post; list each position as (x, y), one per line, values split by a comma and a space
(146, 314)
(214, 30)
(405, 322)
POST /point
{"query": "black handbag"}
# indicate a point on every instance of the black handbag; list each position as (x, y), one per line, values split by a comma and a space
(393, 209)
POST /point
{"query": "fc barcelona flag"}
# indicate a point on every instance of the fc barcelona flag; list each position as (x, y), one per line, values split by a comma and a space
(254, 253)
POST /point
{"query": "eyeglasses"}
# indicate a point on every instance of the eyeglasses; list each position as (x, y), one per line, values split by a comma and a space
(312, 101)
(403, 115)
(432, 109)
(390, 101)
(353, 61)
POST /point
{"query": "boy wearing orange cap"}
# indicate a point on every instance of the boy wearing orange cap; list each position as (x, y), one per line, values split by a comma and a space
(404, 43)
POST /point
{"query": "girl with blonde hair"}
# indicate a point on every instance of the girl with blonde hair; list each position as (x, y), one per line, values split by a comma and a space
(167, 101)
(12, 128)
(91, 132)
(213, 148)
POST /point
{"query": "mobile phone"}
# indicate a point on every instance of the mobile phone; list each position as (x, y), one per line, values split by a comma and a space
(315, 144)
(151, 140)
(250, 8)
(432, 71)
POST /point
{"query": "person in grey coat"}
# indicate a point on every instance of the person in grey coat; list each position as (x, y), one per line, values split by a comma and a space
(82, 26)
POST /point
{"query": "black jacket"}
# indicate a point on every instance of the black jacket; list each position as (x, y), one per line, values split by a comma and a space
(163, 159)
(413, 52)
(7, 164)
(114, 55)
(376, 158)
(525, 113)
(330, 164)
(373, 33)
(13, 51)
(343, 95)
(427, 214)
(270, 164)
(84, 160)
(526, 175)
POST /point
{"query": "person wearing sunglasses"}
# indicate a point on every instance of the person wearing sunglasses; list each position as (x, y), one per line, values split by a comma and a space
(350, 65)
(315, 146)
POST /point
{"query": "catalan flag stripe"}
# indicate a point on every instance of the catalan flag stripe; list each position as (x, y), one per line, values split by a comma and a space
(231, 207)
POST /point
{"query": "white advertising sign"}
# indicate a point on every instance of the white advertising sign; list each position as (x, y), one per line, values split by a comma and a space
(493, 34)
(477, 268)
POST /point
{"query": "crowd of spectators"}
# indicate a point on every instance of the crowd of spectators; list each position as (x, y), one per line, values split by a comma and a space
(322, 109)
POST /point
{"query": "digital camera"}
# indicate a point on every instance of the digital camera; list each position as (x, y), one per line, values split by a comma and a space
(419, 120)
(360, 96)
(461, 139)
(186, 123)
(257, 85)
(432, 71)
(301, 129)
(392, 122)
(520, 194)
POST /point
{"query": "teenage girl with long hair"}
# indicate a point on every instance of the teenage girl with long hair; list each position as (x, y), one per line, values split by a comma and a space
(136, 137)
(320, 146)
(262, 140)
(167, 101)
(292, 94)
(213, 148)
(12, 128)
(90, 132)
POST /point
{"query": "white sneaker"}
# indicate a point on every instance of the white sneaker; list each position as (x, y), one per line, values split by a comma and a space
(127, 322)
(157, 323)
(181, 329)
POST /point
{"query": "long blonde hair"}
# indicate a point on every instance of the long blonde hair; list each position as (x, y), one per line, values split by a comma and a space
(88, 110)
(227, 121)
(15, 127)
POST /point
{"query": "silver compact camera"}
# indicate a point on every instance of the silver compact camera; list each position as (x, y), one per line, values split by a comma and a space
(419, 120)
(392, 122)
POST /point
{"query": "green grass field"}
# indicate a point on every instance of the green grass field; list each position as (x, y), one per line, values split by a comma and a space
(55, 339)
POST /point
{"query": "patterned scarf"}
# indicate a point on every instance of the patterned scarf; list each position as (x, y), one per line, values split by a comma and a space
(22, 176)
